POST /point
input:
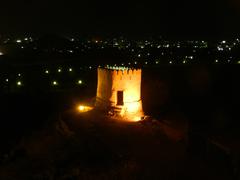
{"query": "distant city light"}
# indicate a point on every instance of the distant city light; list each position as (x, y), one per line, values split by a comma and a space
(55, 83)
(79, 81)
(137, 51)
(19, 83)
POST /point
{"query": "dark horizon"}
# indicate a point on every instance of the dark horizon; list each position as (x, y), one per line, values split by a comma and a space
(171, 19)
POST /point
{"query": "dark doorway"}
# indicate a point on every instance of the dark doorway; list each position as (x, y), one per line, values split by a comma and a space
(120, 98)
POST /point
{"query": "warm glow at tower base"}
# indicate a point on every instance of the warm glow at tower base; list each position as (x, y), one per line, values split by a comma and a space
(132, 112)
(136, 119)
(83, 108)
(130, 118)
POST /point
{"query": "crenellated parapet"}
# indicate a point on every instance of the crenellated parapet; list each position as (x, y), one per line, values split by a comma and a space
(124, 73)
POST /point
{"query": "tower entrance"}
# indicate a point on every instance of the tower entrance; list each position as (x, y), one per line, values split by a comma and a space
(120, 98)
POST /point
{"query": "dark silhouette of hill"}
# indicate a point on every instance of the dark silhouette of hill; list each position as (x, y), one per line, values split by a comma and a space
(53, 41)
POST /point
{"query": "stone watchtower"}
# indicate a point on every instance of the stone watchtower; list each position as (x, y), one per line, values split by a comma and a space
(119, 92)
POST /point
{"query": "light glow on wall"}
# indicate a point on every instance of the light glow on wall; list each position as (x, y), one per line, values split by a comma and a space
(136, 119)
(132, 107)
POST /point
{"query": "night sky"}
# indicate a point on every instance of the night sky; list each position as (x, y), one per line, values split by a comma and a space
(172, 18)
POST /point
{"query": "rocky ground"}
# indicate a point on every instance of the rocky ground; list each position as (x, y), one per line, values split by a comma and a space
(91, 146)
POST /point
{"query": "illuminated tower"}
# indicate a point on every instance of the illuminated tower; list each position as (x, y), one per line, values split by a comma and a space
(119, 92)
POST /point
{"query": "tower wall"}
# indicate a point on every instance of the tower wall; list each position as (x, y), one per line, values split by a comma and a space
(111, 81)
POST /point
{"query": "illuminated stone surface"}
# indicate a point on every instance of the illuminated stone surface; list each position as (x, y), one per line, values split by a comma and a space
(119, 92)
